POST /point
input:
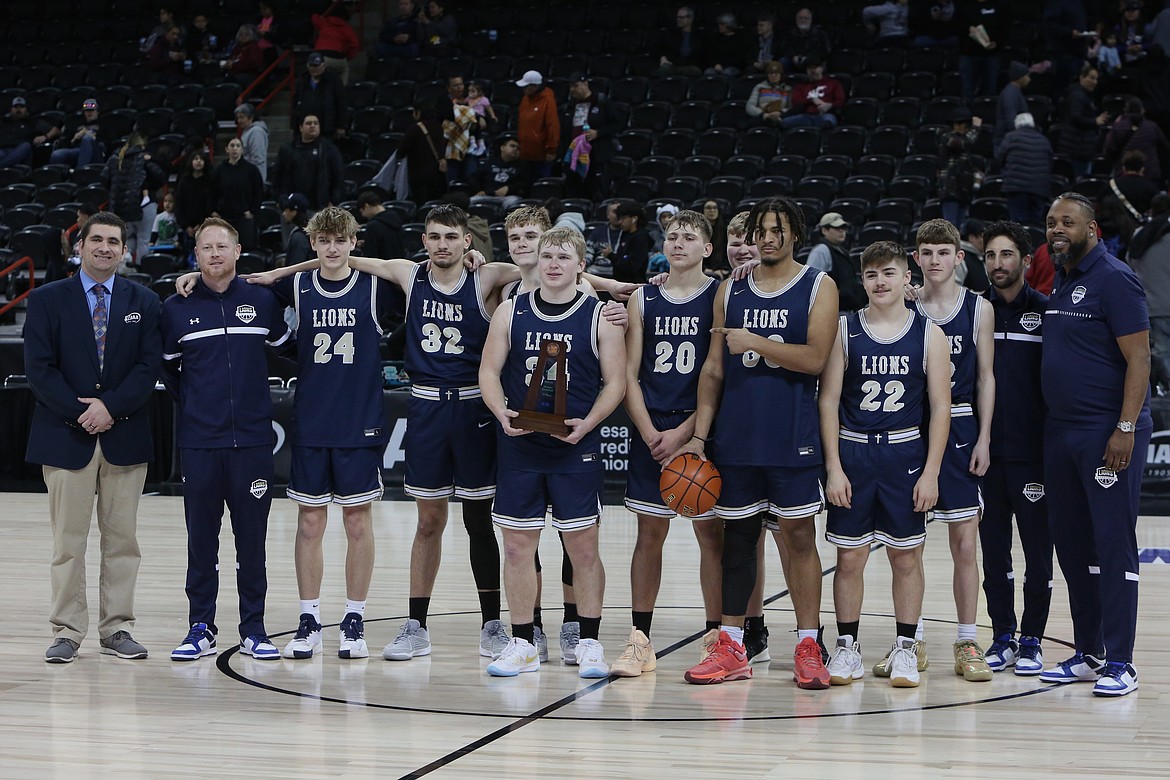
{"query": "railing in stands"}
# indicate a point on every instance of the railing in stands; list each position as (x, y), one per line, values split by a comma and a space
(289, 81)
(32, 280)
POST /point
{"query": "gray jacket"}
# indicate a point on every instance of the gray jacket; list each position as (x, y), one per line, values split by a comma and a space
(255, 141)
(1025, 161)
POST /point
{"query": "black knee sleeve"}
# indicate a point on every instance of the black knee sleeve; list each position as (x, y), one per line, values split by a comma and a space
(740, 538)
(566, 563)
(484, 549)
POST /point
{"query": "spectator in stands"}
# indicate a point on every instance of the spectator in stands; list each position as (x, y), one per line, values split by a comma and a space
(633, 254)
(201, 43)
(399, 34)
(295, 216)
(254, 137)
(194, 198)
(1011, 102)
(960, 173)
(767, 44)
(164, 234)
(420, 148)
(982, 25)
(804, 41)
(1149, 254)
(1108, 59)
(771, 98)
(437, 31)
(538, 128)
(815, 100)
(739, 251)
(238, 192)
(336, 39)
(501, 176)
(321, 93)
(717, 261)
(657, 229)
(935, 23)
(890, 21)
(1025, 161)
(606, 241)
(725, 49)
(69, 246)
(1062, 26)
(593, 115)
(309, 164)
(80, 144)
(383, 228)
(1132, 41)
(477, 226)
(1159, 31)
(132, 180)
(681, 51)
(1132, 188)
(165, 57)
(1080, 128)
(831, 255)
(1133, 131)
(971, 271)
(270, 31)
(458, 134)
(246, 62)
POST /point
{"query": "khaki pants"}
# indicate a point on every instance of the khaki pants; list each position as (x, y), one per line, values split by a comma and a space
(71, 502)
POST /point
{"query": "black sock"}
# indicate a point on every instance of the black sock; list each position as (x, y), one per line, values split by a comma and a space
(571, 615)
(906, 630)
(536, 621)
(489, 605)
(523, 631)
(753, 625)
(642, 621)
(418, 610)
(850, 629)
(590, 627)
(715, 624)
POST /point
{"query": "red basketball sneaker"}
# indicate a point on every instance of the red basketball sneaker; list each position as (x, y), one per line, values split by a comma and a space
(809, 671)
(727, 661)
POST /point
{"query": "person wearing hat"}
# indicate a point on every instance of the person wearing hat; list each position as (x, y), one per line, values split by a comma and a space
(590, 114)
(19, 133)
(1011, 102)
(538, 129)
(633, 254)
(83, 146)
(254, 137)
(295, 216)
(831, 255)
(321, 93)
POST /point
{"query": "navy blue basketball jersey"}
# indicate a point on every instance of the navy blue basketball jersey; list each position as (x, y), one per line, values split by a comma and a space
(676, 334)
(884, 388)
(768, 415)
(577, 327)
(961, 327)
(445, 332)
(338, 400)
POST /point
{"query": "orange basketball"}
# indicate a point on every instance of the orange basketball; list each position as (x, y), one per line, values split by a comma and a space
(690, 485)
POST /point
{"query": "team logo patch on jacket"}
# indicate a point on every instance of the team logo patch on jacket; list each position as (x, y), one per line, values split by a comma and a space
(259, 488)
(1030, 321)
(132, 317)
(246, 313)
(1033, 491)
(1078, 294)
(1106, 478)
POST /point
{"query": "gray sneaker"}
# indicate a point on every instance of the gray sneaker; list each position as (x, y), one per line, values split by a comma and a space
(62, 651)
(570, 636)
(413, 640)
(493, 638)
(541, 642)
(122, 645)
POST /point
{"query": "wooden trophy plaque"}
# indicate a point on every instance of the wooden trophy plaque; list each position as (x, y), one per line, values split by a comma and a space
(544, 406)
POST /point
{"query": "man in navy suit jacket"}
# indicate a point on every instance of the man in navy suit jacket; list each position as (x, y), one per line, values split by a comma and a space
(92, 352)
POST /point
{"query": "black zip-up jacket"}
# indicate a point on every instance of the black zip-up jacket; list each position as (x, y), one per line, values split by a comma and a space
(1017, 425)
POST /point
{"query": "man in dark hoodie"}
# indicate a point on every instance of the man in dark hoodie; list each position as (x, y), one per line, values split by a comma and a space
(382, 234)
(310, 165)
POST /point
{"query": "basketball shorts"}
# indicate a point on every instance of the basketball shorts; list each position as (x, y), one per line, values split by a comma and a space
(450, 446)
(523, 497)
(882, 476)
(959, 497)
(347, 476)
(789, 493)
(642, 494)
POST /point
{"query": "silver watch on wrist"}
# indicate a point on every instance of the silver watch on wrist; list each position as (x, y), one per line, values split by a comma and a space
(1125, 426)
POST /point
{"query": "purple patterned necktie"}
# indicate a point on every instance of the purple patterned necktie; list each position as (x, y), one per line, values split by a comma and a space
(100, 320)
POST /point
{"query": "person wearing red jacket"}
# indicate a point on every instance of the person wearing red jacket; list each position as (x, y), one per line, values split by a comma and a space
(336, 40)
(815, 101)
(538, 128)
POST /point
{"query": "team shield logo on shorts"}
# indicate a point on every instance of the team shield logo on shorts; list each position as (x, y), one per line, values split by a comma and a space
(1078, 294)
(246, 313)
(259, 488)
(1030, 321)
(1106, 478)
(1033, 491)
